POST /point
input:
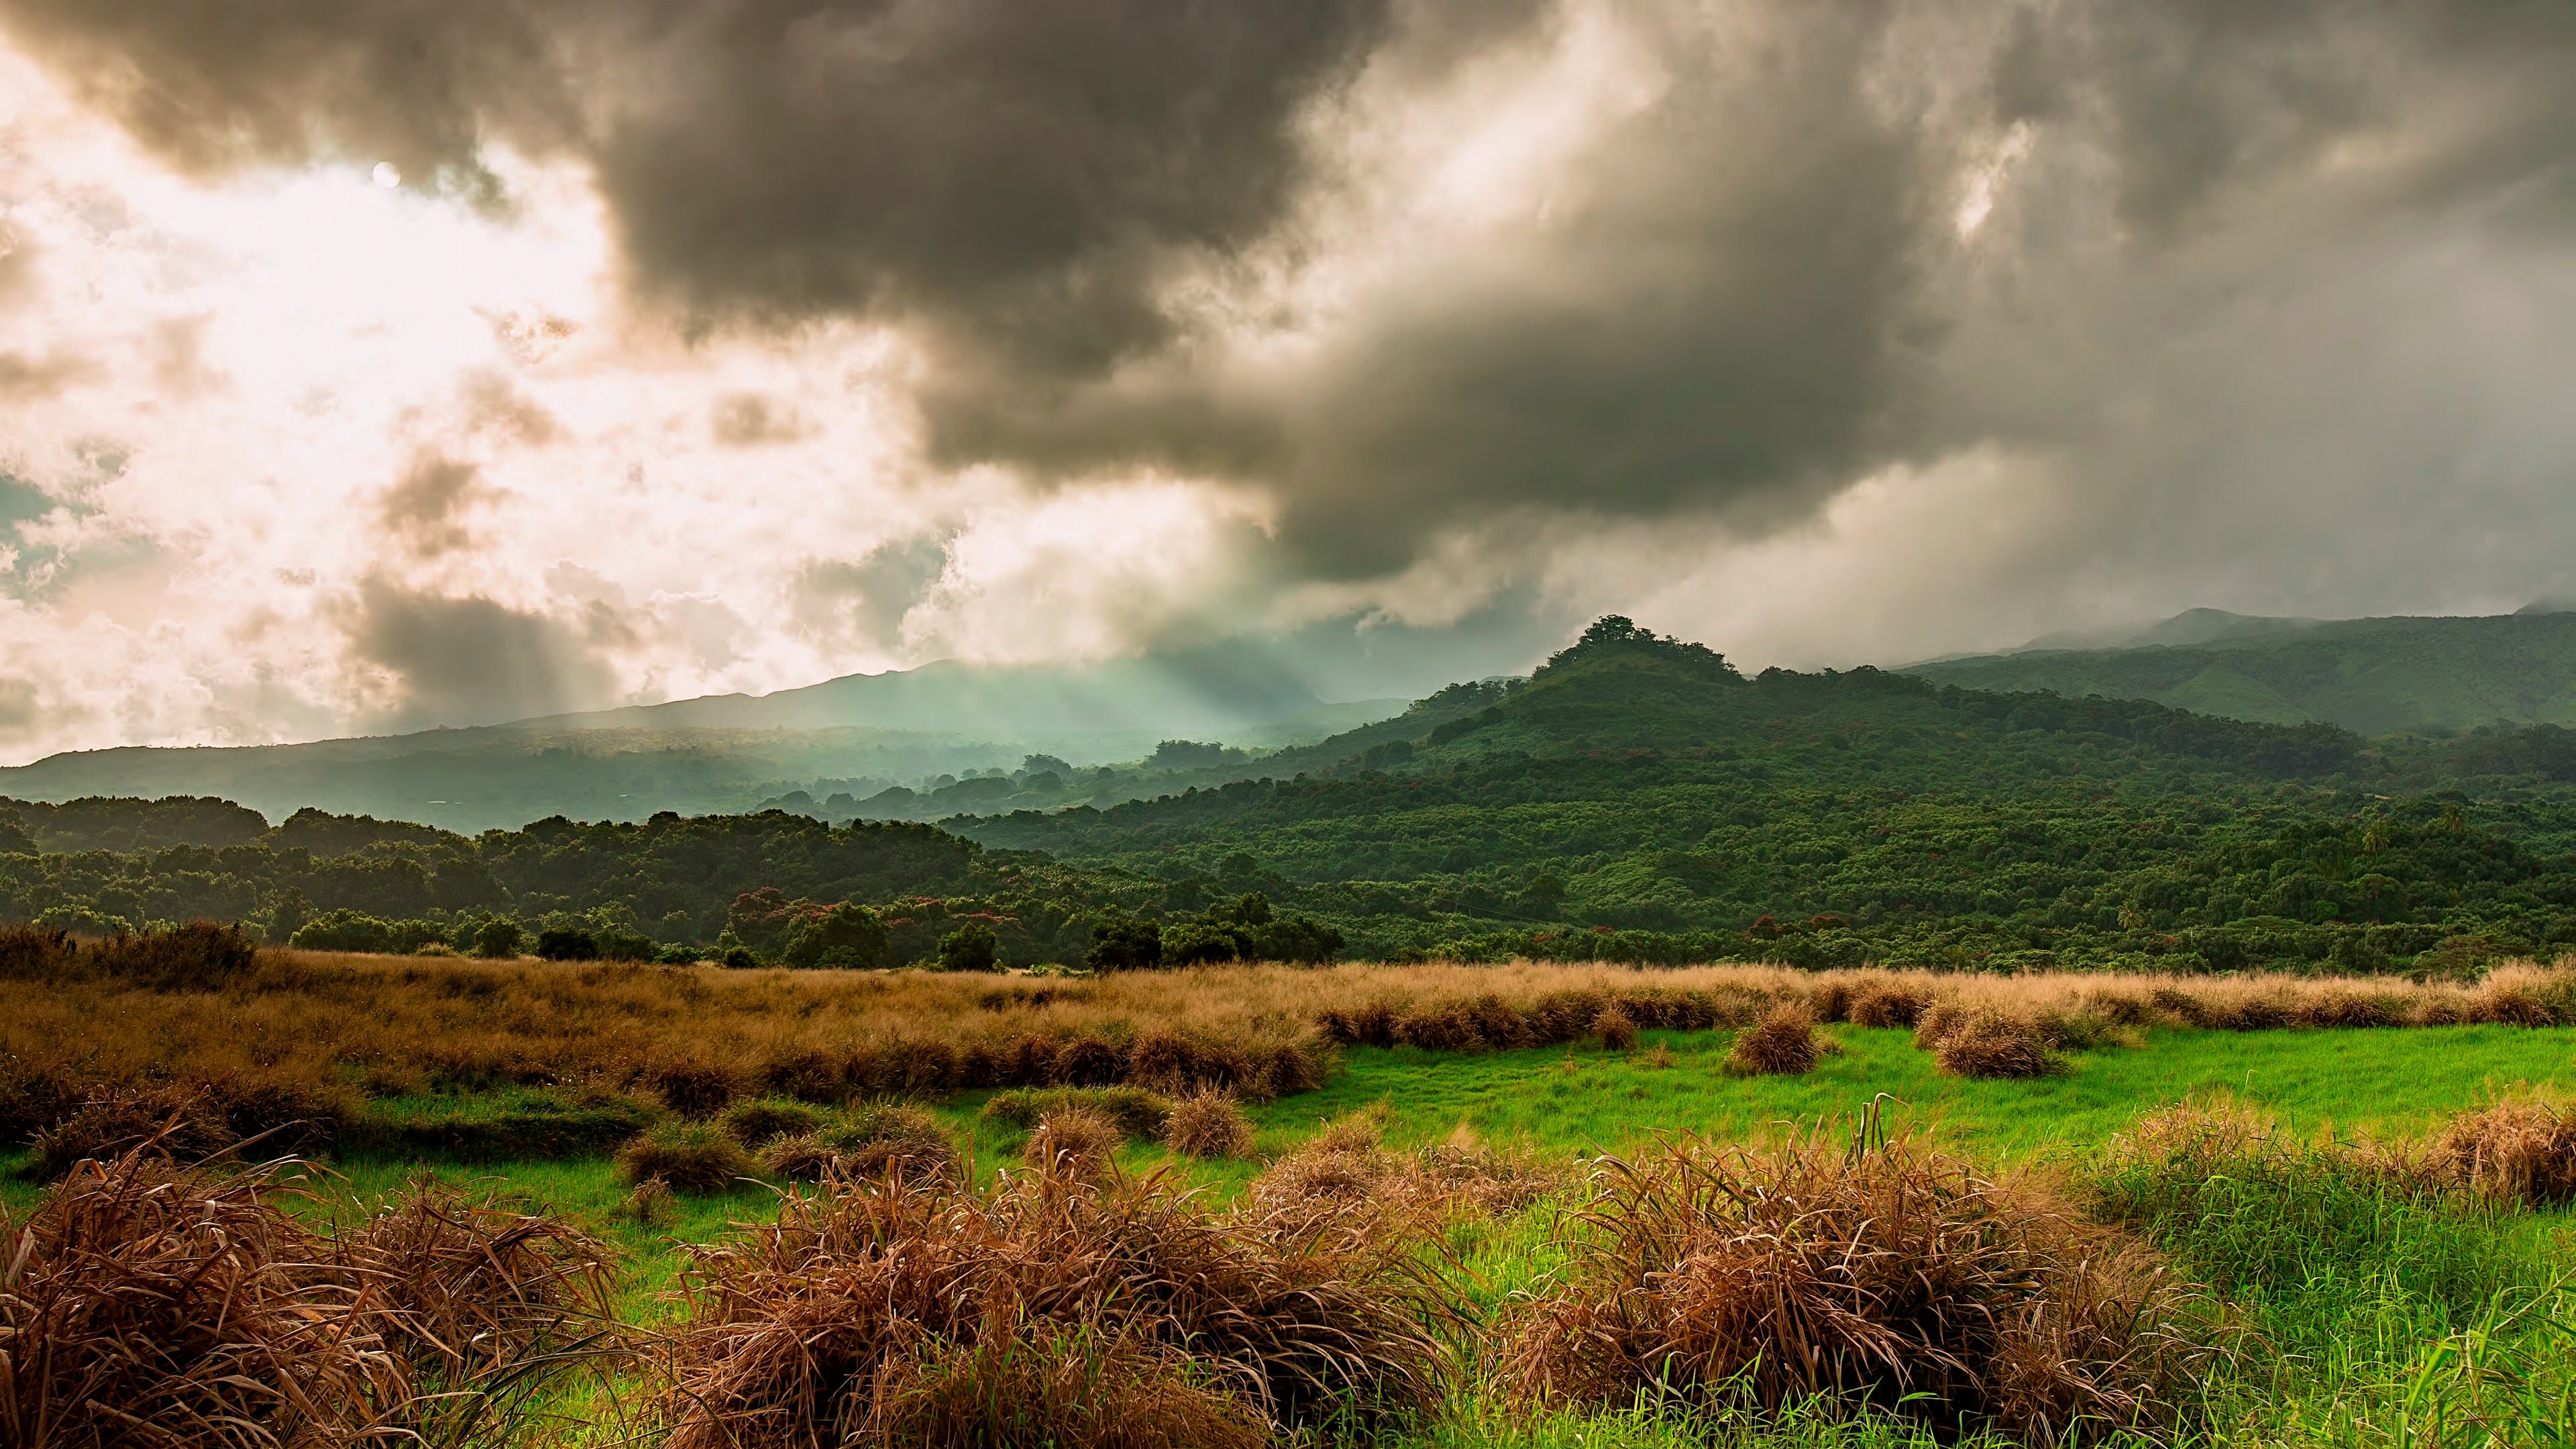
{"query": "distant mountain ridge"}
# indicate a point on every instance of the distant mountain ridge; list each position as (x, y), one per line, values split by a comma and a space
(2429, 674)
(858, 734)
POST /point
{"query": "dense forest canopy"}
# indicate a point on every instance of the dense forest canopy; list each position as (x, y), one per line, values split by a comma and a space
(1635, 797)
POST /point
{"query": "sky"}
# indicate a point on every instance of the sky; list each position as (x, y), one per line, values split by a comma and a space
(375, 364)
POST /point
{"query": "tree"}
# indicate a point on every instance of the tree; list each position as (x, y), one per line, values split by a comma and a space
(1124, 943)
(498, 939)
(562, 944)
(971, 947)
(848, 937)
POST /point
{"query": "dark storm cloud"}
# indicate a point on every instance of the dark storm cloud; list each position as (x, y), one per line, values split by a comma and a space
(1748, 292)
(471, 660)
(425, 509)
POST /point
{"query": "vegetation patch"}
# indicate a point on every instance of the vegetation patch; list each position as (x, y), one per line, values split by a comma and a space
(1879, 1274)
(900, 1313)
(698, 1157)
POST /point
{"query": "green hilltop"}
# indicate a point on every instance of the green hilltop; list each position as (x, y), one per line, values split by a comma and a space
(2371, 676)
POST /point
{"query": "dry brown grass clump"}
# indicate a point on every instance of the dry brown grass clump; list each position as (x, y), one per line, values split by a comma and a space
(2522, 1149)
(878, 1141)
(1616, 1030)
(183, 1125)
(1888, 1277)
(482, 1307)
(1782, 1044)
(1346, 1175)
(1048, 1310)
(1890, 1004)
(698, 1157)
(1991, 1045)
(1075, 1142)
(151, 1304)
(694, 1088)
(1208, 1125)
(758, 1123)
(1138, 1113)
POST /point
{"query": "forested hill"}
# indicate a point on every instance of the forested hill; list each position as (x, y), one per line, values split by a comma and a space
(1635, 798)
(1638, 795)
(2373, 676)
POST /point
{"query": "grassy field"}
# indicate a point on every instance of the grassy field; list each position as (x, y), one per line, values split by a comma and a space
(2356, 1310)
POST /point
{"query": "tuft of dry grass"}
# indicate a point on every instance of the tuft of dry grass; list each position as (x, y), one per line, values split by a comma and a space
(1782, 1044)
(1074, 1142)
(1884, 1275)
(879, 1314)
(1347, 1176)
(694, 1089)
(758, 1123)
(687, 1156)
(1138, 1113)
(147, 1303)
(1890, 1004)
(1616, 1030)
(183, 1125)
(2518, 1150)
(878, 1141)
(1208, 1125)
(483, 1308)
(1990, 1045)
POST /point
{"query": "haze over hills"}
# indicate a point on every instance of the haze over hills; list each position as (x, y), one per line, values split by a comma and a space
(2371, 676)
(858, 736)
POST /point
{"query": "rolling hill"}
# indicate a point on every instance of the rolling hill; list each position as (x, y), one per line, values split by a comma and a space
(2371, 676)
(857, 736)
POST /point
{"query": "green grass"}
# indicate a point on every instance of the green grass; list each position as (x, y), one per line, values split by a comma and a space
(2392, 1081)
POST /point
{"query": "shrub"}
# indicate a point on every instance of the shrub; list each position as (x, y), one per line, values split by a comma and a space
(1781, 1044)
(2521, 1150)
(199, 956)
(498, 939)
(848, 937)
(1617, 1032)
(758, 1122)
(1138, 1113)
(690, 1156)
(567, 944)
(1885, 1277)
(1992, 1045)
(344, 931)
(694, 1089)
(1208, 1124)
(1073, 1142)
(874, 1314)
(971, 947)
(1124, 943)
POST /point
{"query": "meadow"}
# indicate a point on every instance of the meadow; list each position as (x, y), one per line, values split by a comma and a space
(1414, 1205)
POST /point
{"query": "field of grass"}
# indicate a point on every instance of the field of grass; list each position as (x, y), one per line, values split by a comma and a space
(2354, 1312)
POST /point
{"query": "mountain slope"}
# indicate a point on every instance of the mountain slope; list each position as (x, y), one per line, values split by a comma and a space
(1636, 798)
(2372, 676)
(856, 736)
